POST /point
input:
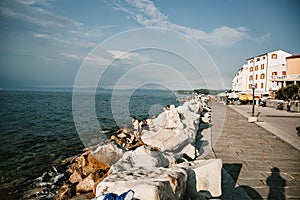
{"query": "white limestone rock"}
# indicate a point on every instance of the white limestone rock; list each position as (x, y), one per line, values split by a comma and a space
(190, 117)
(159, 120)
(175, 139)
(143, 157)
(191, 151)
(172, 120)
(203, 175)
(108, 153)
(167, 139)
(151, 183)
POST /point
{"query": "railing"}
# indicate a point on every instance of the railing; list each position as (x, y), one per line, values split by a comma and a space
(286, 77)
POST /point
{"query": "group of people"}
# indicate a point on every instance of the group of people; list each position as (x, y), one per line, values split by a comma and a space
(131, 137)
(171, 121)
(173, 118)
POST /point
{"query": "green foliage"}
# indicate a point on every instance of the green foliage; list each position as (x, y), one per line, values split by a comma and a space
(288, 92)
(202, 91)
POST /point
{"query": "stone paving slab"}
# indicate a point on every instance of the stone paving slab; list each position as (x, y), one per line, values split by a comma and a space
(279, 122)
(248, 153)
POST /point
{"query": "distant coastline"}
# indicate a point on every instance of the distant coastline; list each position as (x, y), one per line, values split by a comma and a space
(70, 89)
(201, 91)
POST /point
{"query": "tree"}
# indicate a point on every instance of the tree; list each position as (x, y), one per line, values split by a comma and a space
(288, 92)
(202, 91)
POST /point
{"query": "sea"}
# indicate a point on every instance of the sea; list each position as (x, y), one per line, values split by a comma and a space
(38, 133)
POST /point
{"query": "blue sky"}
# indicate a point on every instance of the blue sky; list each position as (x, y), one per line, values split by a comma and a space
(195, 43)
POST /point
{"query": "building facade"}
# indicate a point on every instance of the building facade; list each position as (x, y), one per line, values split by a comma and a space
(239, 80)
(292, 75)
(262, 72)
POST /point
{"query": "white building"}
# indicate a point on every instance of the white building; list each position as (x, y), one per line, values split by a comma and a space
(239, 80)
(260, 71)
(290, 75)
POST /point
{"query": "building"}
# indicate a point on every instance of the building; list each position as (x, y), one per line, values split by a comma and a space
(239, 80)
(291, 75)
(262, 72)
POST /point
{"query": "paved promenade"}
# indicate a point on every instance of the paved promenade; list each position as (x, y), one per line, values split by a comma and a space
(256, 163)
(279, 122)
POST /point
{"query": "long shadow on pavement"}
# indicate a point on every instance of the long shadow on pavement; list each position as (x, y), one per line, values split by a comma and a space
(230, 174)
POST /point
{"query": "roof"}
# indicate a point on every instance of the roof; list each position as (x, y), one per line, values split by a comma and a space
(265, 54)
(294, 56)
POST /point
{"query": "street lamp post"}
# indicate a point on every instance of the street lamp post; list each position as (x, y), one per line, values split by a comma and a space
(252, 118)
(253, 88)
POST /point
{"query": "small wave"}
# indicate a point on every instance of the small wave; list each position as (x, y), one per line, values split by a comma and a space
(45, 186)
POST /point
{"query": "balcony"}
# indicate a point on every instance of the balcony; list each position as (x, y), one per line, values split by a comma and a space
(289, 77)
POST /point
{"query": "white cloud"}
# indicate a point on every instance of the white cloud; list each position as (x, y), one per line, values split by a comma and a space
(55, 27)
(225, 35)
(263, 38)
(148, 15)
(72, 42)
(26, 11)
(45, 58)
(91, 58)
(129, 56)
(33, 2)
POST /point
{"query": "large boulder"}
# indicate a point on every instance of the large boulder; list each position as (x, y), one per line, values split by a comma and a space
(75, 177)
(203, 175)
(180, 139)
(167, 139)
(144, 157)
(105, 155)
(86, 185)
(151, 183)
(190, 151)
(190, 118)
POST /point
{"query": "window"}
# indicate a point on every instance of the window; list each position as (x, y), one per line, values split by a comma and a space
(258, 59)
(256, 67)
(283, 73)
(250, 86)
(255, 85)
(262, 66)
(264, 57)
(251, 61)
(262, 85)
(250, 78)
(274, 56)
(274, 73)
(251, 69)
(262, 76)
(256, 76)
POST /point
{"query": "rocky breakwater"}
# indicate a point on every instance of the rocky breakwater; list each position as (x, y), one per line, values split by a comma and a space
(162, 165)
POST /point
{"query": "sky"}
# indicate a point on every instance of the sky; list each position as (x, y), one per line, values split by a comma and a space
(127, 44)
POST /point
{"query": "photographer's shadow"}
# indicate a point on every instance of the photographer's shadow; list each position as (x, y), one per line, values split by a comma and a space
(276, 185)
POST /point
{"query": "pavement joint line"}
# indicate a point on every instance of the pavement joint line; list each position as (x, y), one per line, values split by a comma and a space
(283, 136)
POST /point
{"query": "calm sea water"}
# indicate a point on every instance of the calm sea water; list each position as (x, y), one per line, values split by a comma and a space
(37, 130)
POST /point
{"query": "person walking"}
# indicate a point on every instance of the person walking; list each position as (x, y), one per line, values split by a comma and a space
(288, 107)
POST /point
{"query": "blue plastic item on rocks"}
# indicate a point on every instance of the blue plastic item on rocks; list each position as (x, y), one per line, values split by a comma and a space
(111, 196)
